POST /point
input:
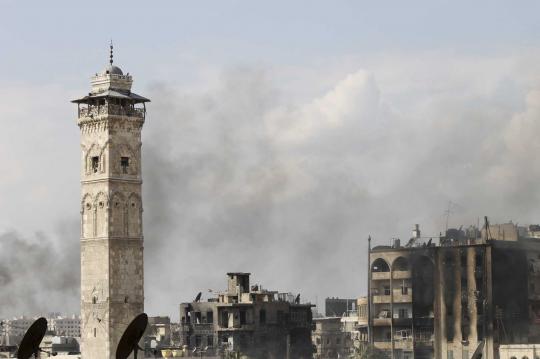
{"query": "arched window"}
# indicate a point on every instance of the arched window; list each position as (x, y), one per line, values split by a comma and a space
(118, 209)
(87, 213)
(101, 215)
(125, 161)
(400, 264)
(380, 265)
(134, 215)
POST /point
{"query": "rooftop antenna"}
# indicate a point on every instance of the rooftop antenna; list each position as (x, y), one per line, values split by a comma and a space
(447, 212)
(488, 232)
(111, 55)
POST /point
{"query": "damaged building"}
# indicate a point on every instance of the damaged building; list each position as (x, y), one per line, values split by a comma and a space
(462, 297)
(250, 320)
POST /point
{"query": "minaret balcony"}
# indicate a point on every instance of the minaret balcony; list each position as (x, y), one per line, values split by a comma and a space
(106, 110)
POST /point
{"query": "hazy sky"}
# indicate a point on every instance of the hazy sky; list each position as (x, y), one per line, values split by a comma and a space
(280, 135)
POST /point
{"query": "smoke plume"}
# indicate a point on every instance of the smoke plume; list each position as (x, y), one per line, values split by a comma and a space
(283, 173)
(39, 274)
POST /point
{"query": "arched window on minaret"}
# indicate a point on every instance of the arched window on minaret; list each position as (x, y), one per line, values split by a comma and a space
(94, 160)
(101, 204)
(87, 213)
(125, 162)
(118, 209)
(134, 215)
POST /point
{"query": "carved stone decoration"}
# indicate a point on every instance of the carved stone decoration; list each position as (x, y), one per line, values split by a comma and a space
(125, 151)
(110, 119)
(118, 214)
(87, 216)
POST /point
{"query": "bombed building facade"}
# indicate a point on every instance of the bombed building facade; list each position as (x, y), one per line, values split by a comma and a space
(466, 295)
(249, 320)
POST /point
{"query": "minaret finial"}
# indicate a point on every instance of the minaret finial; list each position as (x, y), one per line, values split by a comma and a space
(111, 56)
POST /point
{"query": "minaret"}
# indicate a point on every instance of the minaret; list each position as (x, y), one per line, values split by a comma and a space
(111, 118)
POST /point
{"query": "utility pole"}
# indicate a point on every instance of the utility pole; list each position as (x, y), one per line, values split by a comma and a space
(370, 335)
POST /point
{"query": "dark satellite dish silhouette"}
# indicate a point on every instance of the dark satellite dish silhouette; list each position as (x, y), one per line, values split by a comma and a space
(129, 343)
(297, 299)
(32, 339)
(198, 297)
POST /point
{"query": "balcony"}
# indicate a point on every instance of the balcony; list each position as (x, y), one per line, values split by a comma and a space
(423, 321)
(203, 328)
(382, 344)
(237, 328)
(403, 344)
(402, 298)
(401, 274)
(402, 321)
(105, 110)
(377, 299)
(380, 275)
(424, 343)
(381, 322)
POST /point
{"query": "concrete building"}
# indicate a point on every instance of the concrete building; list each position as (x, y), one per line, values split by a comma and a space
(65, 326)
(329, 338)
(519, 351)
(337, 307)
(354, 325)
(158, 333)
(61, 345)
(16, 327)
(253, 321)
(342, 336)
(110, 119)
(468, 294)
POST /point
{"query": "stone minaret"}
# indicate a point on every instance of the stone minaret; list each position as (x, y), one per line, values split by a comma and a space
(112, 279)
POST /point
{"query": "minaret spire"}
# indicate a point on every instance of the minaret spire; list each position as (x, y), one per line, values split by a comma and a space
(111, 56)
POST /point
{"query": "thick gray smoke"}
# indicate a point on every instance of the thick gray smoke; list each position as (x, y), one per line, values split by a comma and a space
(240, 178)
(243, 174)
(39, 274)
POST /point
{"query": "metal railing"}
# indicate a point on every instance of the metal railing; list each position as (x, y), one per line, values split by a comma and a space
(94, 111)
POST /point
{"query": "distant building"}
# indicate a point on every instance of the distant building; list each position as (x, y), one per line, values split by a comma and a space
(17, 327)
(60, 345)
(336, 307)
(250, 320)
(329, 338)
(354, 325)
(341, 336)
(519, 351)
(158, 333)
(64, 326)
(472, 293)
(12, 330)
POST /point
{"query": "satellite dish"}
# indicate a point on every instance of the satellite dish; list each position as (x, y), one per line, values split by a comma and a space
(129, 343)
(198, 297)
(32, 339)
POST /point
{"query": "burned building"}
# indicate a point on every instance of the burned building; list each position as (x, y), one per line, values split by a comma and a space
(337, 307)
(467, 294)
(329, 338)
(250, 320)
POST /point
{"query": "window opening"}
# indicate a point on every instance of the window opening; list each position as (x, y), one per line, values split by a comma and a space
(124, 163)
(95, 164)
